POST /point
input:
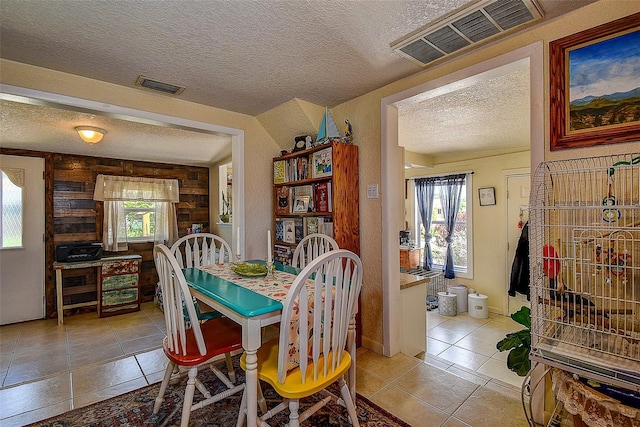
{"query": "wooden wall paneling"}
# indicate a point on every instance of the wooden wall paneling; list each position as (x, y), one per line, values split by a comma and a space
(72, 215)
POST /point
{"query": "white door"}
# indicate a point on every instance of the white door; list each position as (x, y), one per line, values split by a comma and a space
(22, 239)
(518, 187)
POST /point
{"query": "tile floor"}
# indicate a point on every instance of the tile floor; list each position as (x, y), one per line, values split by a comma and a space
(46, 370)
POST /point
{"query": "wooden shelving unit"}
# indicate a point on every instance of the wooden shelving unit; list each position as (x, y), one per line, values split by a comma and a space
(305, 174)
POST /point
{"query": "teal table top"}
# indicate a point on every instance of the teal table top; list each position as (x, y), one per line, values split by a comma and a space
(239, 299)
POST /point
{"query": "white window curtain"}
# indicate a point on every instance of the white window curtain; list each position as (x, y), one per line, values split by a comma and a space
(115, 190)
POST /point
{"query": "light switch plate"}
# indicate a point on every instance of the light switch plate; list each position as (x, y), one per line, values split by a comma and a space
(372, 191)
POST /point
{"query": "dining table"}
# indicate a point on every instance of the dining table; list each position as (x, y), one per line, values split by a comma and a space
(253, 303)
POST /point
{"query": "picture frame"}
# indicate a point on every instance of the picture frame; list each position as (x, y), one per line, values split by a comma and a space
(301, 204)
(586, 109)
(487, 196)
(322, 163)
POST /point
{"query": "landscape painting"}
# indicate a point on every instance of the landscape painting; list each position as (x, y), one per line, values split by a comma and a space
(604, 83)
(594, 92)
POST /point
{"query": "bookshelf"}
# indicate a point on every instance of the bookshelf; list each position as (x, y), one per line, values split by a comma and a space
(316, 190)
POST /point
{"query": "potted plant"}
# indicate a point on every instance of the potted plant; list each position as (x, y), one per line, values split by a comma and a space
(226, 209)
(519, 343)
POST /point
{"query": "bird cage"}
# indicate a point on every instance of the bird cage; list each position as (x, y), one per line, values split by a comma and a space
(585, 267)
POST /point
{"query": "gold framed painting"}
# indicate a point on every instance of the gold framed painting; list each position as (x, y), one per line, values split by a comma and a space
(595, 85)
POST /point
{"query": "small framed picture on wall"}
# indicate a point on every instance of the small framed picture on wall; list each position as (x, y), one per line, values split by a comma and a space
(487, 196)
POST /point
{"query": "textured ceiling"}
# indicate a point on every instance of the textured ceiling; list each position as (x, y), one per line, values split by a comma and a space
(491, 113)
(243, 56)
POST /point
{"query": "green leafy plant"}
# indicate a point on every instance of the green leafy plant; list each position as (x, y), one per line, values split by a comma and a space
(519, 343)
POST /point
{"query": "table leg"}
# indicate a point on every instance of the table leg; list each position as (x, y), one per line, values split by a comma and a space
(59, 296)
(251, 341)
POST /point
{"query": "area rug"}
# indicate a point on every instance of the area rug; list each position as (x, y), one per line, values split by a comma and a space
(136, 409)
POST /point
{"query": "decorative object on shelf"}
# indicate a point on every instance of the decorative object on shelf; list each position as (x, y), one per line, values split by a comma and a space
(322, 163)
(226, 209)
(301, 204)
(328, 130)
(348, 131)
(587, 107)
(487, 196)
(302, 142)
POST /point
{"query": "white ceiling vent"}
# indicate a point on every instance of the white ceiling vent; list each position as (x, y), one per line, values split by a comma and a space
(466, 28)
(166, 88)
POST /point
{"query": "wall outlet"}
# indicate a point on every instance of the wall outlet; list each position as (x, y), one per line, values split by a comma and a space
(372, 191)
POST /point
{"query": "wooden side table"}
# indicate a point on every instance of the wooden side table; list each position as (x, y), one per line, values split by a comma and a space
(118, 285)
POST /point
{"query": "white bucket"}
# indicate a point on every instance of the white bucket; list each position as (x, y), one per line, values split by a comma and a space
(478, 306)
(447, 304)
(461, 292)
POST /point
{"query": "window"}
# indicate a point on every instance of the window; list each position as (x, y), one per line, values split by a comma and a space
(11, 207)
(137, 210)
(140, 218)
(462, 237)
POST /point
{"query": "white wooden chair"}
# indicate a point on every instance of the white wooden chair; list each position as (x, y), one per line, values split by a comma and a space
(310, 247)
(334, 280)
(200, 249)
(191, 346)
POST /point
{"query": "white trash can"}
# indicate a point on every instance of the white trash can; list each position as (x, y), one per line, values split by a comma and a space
(478, 306)
(447, 304)
(461, 293)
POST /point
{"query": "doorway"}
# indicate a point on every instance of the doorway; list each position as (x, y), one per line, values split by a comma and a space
(518, 189)
(22, 203)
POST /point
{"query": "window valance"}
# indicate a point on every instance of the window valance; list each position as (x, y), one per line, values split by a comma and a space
(120, 188)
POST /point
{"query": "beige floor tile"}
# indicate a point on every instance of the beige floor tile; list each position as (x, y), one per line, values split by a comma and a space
(478, 345)
(154, 377)
(100, 327)
(90, 355)
(368, 384)
(387, 368)
(463, 357)
(137, 332)
(152, 361)
(36, 415)
(505, 389)
(439, 388)
(128, 320)
(408, 408)
(469, 374)
(54, 339)
(437, 362)
(498, 369)
(33, 367)
(91, 342)
(40, 327)
(487, 408)
(454, 422)
(446, 335)
(34, 395)
(138, 345)
(458, 326)
(83, 399)
(7, 346)
(488, 334)
(435, 347)
(90, 379)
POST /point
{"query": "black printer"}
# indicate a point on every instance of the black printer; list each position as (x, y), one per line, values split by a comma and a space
(74, 252)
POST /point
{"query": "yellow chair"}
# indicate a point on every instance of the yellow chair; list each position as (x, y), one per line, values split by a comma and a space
(191, 344)
(311, 247)
(326, 289)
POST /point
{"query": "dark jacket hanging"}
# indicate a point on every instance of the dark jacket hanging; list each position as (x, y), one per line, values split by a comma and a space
(520, 268)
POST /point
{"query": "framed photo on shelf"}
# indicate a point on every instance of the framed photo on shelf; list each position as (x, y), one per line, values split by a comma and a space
(301, 204)
(322, 164)
(487, 196)
(593, 94)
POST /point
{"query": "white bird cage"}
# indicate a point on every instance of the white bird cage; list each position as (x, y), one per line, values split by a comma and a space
(585, 267)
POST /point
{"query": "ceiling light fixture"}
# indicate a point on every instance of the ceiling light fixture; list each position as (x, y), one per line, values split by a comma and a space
(90, 134)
